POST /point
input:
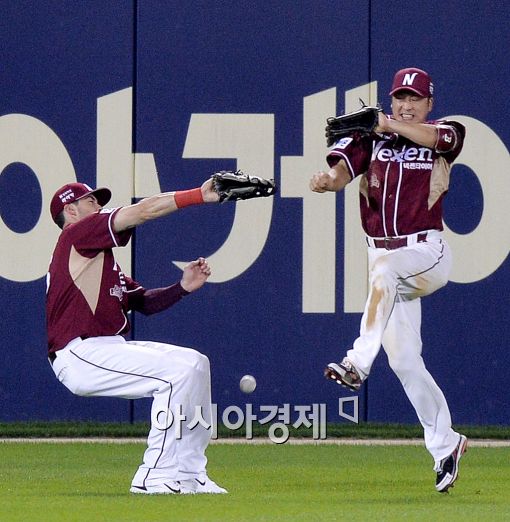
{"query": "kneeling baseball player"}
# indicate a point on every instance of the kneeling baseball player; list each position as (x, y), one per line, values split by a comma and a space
(88, 298)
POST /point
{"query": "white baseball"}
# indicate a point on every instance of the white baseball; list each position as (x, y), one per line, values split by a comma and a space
(247, 384)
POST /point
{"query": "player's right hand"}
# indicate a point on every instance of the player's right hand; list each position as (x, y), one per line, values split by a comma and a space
(320, 182)
(195, 274)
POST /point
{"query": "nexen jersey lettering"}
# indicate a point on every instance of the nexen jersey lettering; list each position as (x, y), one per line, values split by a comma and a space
(88, 295)
(403, 184)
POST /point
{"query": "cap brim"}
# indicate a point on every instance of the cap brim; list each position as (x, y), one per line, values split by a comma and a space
(103, 195)
(409, 89)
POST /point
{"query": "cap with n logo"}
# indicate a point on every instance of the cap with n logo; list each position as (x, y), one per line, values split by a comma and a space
(414, 80)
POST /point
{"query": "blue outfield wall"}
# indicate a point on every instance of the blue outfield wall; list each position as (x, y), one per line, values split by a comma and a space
(148, 96)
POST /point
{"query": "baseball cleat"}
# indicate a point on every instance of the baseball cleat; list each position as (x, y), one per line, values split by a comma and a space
(345, 374)
(448, 468)
(171, 487)
(202, 484)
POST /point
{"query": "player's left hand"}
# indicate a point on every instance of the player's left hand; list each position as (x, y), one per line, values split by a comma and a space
(195, 274)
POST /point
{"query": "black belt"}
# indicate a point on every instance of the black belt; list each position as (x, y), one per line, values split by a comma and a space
(392, 243)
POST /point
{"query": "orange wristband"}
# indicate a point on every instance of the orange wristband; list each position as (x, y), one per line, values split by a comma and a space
(185, 198)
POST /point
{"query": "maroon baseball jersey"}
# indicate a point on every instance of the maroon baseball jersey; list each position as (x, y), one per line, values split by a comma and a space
(87, 293)
(403, 183)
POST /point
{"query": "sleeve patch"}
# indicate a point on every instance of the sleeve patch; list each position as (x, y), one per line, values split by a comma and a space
(446, 138)
(343, 143)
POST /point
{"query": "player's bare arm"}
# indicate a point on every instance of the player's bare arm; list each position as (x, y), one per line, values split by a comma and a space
(332, 181)
(161, 205)
(421, 133)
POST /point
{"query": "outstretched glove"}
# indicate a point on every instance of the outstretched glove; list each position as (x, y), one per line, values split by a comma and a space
(234, 185)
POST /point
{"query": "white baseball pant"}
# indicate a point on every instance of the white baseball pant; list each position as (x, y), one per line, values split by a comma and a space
(392, 318)
(177, 378)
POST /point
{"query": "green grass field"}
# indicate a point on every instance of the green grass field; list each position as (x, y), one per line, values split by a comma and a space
(90, 482)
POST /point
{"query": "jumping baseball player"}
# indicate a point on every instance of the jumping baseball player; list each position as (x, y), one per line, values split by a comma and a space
(404, 169)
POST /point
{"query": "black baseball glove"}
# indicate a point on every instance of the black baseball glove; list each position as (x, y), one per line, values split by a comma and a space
(234, 185)
(363, 121)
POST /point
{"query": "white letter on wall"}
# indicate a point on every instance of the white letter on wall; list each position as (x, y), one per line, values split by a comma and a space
(249, 138)
(355, 252)
(127, 174)
(319, 210)
(27, 140)
(481, 252)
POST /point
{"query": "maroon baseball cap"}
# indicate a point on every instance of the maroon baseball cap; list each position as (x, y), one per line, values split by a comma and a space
(414, 80)
(73, 192)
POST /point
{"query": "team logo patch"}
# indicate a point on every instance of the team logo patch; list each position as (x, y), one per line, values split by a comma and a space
(117, 292)
(66, 195)
(343, 143)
